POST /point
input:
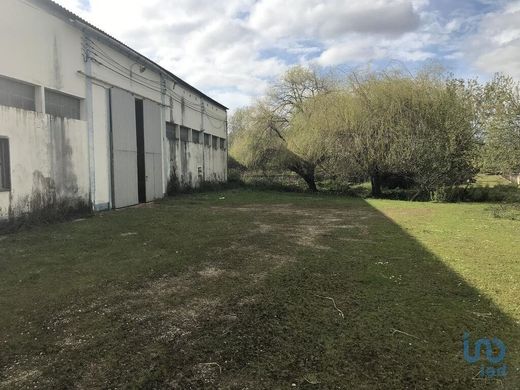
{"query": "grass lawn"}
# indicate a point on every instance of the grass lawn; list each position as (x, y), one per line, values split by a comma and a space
(491, 180)
(261, 290)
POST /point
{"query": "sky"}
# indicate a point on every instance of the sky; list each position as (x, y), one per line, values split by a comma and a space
(233, 49)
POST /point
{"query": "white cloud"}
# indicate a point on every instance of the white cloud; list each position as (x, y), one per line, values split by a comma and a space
(227, 48)
(495, 47)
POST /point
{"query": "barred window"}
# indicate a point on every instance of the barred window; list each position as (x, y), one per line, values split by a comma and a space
(222, 144)
(215, 142)
(207, 139)
(184, 134)
(5, 169)
(16, 94)
(59, 104)
(195, 136)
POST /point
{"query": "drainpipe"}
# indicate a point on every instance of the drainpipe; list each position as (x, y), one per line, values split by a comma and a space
(203, 142)
(163, 136)
(90, 120)
(227, 149)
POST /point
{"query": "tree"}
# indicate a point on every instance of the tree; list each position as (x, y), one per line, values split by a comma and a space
(499, 108)
(267, 136)
(419, 127)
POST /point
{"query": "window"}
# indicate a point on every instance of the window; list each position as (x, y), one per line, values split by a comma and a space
(184, 134)
(207, 139)
(5, 169)
(195, 136)
(222, 144)
(170, 131)
(16, 94)
(59, 104)
(215, 142)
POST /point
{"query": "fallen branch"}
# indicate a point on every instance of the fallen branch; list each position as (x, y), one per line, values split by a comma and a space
(333, 302)
(481, 314)
(212, 364)
(394, 331)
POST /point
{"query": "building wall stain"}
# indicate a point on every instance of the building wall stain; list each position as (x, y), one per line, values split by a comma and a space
(57, 74)
(62, 165)
(48, 162)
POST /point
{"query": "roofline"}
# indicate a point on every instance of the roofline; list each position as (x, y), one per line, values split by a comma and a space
(75, 19)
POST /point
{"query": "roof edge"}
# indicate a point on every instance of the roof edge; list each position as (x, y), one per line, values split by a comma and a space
(74, 19)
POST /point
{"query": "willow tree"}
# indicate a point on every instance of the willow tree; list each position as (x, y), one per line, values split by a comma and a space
(268, 136)
(419, 127)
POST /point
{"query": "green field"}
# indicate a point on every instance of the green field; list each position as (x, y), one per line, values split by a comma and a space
(261, 290)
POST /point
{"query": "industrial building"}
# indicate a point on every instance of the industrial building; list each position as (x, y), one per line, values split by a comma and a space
(83, 116)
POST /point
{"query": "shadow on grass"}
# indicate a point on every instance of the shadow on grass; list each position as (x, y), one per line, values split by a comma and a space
(250, 307)
(405, 312)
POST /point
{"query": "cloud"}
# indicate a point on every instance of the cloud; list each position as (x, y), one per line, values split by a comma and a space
(332, 19)
(232, 49)
(495, 47)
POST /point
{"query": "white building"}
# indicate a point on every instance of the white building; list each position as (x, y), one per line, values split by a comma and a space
(84, 116)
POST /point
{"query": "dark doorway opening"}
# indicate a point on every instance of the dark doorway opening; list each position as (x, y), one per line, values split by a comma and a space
(141, 170)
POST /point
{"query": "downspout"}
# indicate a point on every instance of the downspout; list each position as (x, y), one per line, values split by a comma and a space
(227, 149)
(163, 137)
(111, 149)
(203, 143)
(90, 120)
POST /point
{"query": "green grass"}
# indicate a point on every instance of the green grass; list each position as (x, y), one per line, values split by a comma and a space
(483, 180)
(231, 290)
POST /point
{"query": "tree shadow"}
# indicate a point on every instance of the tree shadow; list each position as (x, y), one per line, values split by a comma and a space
(259, 291)
(364, 305)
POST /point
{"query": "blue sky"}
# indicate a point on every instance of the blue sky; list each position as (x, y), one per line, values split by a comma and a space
(232, 49)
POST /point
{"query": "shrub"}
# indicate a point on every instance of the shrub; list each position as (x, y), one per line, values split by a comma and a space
(499, 193)
(174, 185)
(506, 211)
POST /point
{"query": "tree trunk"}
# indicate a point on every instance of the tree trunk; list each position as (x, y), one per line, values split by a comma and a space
(307, 172)
(305, 169)
(375, 181)
(311, 182)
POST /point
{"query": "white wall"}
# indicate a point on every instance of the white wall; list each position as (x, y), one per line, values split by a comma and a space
(39, 48)
(44, 151)
(46, 51)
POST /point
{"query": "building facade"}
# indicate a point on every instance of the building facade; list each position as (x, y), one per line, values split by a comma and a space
(82, 116)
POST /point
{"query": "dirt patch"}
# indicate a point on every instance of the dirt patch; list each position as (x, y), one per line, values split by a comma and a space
(17, 377)
(263, 227)
(304, 226)
(211, 272)
(207, 372)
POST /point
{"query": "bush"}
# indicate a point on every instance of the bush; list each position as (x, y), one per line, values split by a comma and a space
(499, 193)
(285, 182)
(395, 181)
(235, 176)
(174, 185)
(506, 211)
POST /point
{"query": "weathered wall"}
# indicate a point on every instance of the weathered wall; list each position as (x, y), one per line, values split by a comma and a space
(46, 152)
(47, 51)
(215, 162)
(195, 162)
(40, 49)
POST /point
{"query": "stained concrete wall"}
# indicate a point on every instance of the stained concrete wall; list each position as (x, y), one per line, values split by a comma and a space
(194, 163)
(39, 48)
(46, 152)
(47, 50)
